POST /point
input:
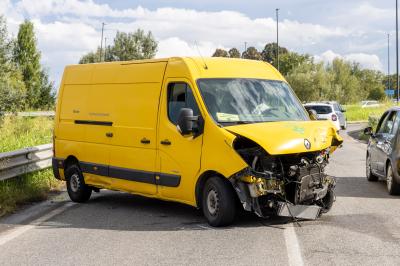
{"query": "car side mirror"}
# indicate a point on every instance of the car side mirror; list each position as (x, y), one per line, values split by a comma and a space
(186, 121)
(312, 114)
(343, 110)
(368, 131)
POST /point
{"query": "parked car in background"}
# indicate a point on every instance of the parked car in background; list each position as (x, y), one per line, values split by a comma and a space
(369, 104)
(383, 151)
(324, 111)
(340, 112)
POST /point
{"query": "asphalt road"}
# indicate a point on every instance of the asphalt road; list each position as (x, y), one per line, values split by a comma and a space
(363, 228)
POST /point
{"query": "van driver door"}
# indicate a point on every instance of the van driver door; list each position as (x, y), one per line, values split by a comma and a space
(179, 156)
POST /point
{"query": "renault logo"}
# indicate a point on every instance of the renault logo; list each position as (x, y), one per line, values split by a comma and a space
(307, 144)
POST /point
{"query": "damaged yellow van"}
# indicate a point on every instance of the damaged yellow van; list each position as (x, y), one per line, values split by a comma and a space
(205, 132)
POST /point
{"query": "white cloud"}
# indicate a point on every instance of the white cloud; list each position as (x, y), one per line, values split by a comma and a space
(327, 56)
(370, 61)
(66, 29)
(177, 47)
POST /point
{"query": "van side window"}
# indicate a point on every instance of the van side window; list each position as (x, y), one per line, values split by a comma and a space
(180, 95)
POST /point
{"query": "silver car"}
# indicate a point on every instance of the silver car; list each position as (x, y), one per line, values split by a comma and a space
(340, 111)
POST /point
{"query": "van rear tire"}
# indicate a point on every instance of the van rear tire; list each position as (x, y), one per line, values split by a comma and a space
(78, 191)
(218, 202)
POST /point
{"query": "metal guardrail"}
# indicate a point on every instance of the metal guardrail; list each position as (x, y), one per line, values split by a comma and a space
(31, 114)
(27, 160)
(37, 113)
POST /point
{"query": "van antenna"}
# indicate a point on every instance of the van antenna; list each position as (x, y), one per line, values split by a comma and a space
(198, 50)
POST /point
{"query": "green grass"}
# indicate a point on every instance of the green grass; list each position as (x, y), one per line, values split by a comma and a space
(356, 113)
(21, 132)
(24, 189)
(17, 133)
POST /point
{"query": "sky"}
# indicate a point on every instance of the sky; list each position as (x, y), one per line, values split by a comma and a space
(354, 30)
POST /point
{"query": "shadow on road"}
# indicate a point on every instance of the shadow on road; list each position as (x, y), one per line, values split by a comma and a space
(124, 212)
(360, 187)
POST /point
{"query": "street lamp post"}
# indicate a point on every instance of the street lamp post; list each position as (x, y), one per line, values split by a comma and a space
(101, 43)
(388, 54)
(397, 50)
(277, 38)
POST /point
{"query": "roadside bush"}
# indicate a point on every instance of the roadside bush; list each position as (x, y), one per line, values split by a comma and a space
(373, 121)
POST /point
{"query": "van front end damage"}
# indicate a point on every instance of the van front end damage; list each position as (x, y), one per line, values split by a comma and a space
(293, 185)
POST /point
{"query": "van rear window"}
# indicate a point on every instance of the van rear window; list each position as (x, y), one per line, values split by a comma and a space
(320, 109)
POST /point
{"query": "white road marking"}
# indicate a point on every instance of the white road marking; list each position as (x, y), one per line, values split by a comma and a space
(292, 247)
(14, 233)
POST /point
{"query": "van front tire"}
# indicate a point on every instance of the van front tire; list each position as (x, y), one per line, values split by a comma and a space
(78, 191)
(218, 202)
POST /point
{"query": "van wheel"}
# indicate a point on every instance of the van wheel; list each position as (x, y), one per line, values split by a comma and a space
(370, 176)
(392, 185)
(78, 191)
(218, 202)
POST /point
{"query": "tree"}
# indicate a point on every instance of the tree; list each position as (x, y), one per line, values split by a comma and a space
(27, 59)
(252, 53)
(234, 53)
(310, 81)
(91, 57)
(137, 45)
(345, 86)
(372, 84)
(291, 60)
(12, 87)
(220, 53)
(46, 97)
(126, 46)
(269, 53)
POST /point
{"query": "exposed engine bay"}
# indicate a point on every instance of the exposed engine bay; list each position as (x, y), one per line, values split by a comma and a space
(293, 185)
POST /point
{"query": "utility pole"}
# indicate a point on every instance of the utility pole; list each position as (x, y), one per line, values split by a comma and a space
(245, 46)
(397, 50)
(105, 49)
(277, 37)
(388, 53)
(101, 43)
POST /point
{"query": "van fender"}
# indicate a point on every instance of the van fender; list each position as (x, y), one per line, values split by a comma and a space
(201, 181)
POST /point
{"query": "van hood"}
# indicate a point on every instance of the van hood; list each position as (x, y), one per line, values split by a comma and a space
(290, 137)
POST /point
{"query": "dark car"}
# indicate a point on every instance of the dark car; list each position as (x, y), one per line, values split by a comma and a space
(383, 151)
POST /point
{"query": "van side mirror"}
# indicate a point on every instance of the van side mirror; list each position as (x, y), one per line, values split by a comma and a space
(343, 110)
(368, 131)
(312, 114)
(186, 121)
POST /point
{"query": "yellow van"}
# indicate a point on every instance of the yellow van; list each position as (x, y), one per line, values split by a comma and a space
(209, 132)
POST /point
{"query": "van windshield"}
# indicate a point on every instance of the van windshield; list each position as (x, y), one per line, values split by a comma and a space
(238, 101)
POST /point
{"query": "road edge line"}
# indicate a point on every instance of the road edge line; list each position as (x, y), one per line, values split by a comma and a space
(292, 247)
(14, 233)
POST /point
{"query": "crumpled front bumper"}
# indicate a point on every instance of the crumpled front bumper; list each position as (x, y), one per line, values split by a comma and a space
(308, 212)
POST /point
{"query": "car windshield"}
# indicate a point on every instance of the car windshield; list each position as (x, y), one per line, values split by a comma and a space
(241, 100)
(320, 109)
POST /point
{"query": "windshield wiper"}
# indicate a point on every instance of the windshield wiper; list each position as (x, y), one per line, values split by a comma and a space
(240, 122)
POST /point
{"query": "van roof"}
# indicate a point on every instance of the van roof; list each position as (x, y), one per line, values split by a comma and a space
(208, 67)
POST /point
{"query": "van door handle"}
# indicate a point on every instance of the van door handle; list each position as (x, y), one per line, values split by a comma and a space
(166, 142)
(145, 141)
(109, 134)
